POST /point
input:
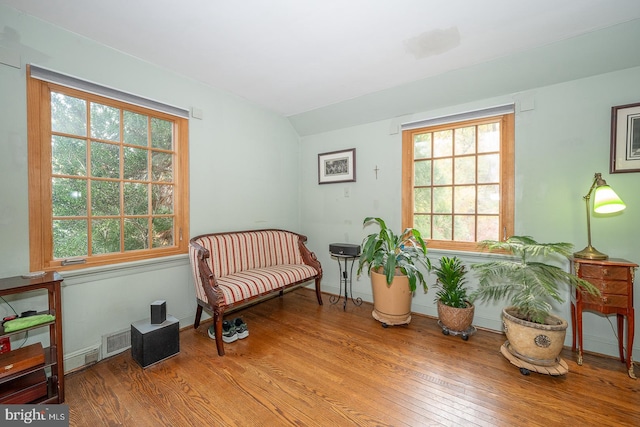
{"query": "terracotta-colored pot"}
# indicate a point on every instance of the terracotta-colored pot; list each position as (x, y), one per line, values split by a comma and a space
(391, 303)
(535, 343)
(456, 319)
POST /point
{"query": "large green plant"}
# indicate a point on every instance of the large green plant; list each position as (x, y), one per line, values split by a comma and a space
(451, 282)
(529, 284)
(406, 252)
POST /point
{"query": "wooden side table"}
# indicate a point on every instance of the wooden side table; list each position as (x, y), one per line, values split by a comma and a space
(614, 278)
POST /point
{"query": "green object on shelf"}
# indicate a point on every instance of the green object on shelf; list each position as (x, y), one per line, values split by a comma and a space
(27, 322)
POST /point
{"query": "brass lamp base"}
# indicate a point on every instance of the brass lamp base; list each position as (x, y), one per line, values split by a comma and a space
(590, 253)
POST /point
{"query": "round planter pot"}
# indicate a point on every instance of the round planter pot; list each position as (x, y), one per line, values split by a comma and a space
(456, 319)
(391, 303)
(535, 343)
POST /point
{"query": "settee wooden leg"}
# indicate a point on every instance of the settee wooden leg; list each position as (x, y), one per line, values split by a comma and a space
(196, 322)
(217, 324)
(318, 293)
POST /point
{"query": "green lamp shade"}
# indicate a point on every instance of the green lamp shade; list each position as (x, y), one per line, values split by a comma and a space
(607, 201)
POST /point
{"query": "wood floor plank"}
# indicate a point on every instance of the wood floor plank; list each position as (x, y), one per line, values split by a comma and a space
(310, 365)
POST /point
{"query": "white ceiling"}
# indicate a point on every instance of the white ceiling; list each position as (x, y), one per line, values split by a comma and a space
(294, 56)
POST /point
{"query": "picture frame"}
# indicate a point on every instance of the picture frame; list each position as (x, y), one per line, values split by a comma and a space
(337, 166)
(625, 138)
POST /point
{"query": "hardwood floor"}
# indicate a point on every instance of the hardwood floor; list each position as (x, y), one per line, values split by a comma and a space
(307, 365)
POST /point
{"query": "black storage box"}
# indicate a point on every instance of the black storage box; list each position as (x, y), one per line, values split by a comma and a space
(344, 249)
(151, 344)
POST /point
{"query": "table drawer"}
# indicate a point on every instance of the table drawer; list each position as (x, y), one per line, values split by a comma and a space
(588, 271)
(615, 287)
(621, 301)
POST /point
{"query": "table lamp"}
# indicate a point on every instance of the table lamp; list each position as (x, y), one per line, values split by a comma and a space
(605, 201)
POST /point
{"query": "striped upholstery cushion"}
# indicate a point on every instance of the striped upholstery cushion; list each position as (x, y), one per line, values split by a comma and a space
(251, 263)
(246, 284)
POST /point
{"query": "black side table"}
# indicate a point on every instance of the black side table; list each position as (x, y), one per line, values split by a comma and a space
(346, 252)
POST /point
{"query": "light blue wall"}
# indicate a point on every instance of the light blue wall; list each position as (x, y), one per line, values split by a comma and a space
(560, 144)
(243, 175)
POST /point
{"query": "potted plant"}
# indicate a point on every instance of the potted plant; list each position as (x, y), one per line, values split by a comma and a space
(455, 311)
(534, 334)
(393, 261)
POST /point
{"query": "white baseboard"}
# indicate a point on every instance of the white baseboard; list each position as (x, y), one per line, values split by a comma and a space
(81, 358)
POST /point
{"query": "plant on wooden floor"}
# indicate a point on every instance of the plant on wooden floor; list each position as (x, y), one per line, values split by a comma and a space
(529, 284)
(455, 311)
(390, 258)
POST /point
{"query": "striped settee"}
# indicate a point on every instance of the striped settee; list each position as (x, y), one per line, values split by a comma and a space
(232, 269)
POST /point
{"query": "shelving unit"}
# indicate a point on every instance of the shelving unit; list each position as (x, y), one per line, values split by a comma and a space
(35, 385)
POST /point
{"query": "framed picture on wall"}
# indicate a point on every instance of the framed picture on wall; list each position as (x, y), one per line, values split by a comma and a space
(337, 166)
(625, 138)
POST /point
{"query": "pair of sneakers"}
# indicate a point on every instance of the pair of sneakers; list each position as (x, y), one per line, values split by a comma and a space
(231, 330)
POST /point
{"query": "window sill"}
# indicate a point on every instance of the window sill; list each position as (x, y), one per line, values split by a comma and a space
(76, 277)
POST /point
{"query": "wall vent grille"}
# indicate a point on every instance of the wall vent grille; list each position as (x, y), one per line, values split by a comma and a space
(91, 357)
(116, 343)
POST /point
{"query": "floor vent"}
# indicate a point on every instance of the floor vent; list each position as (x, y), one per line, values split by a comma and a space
(115, 343)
